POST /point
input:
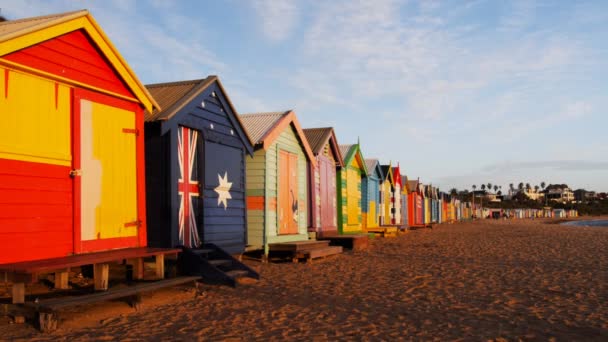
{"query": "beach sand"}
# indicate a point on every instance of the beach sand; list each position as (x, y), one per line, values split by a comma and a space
(484, 280)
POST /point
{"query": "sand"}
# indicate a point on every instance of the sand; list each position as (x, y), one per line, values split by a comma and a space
(485, 280)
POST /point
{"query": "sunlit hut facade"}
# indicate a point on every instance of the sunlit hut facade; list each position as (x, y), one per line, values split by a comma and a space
(276, 185)
(195, 167)
(396, 209)
(404, 202)
(427, 204)
(371, 194)
(415, 203)
(386, 190)
(322, 196)
(350, 219)
(72, 176)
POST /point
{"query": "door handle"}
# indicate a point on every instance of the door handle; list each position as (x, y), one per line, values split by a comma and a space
(75, 173)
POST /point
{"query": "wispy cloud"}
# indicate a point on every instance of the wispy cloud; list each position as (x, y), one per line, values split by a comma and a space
(278, 17)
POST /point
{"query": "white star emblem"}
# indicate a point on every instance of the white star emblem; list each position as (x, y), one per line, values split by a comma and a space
(223, 190)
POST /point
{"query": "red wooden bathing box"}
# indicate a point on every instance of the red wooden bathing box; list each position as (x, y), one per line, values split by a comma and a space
(72, 150)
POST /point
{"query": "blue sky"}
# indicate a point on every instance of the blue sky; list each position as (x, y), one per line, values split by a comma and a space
(458, 92)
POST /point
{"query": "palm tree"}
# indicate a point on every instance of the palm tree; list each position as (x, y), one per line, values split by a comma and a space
(528, 187)
(543, 185)
(495, 188)
(483, 187)
(520, 186)
(489, 186)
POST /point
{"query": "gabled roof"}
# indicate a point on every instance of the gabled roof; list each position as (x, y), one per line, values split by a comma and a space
(412, 185)
(174, 96)
(351, 151)
(372, 164)
(22, 33)
(259, 125)
(264, 128)
(319, 137)
(387, 171)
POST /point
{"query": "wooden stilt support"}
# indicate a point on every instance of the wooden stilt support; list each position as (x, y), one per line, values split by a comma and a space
(101, 276)
(18, 293)
(138, 268)
(160, 266)
(61, 280)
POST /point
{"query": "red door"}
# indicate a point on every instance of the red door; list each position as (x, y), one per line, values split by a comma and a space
(288, 206)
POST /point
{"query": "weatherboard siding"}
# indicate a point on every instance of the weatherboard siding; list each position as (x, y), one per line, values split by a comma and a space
(220, 152)
(350, 219)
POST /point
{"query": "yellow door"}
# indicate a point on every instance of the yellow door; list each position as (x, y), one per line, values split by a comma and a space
(108, 181)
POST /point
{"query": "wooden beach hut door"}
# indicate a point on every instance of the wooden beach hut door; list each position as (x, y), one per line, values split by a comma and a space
(288, 193)
(105, 173)
(328, 193)
(189, 147)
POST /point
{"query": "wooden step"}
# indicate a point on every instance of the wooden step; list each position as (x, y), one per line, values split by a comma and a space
(323, 252)
(219, 262)
(298, 246)
(237, 273)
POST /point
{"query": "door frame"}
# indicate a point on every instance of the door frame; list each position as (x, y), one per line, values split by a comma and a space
(140, 240)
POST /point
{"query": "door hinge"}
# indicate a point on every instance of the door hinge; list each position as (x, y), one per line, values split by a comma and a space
(131, 131)
(133, 224)
(75, 173)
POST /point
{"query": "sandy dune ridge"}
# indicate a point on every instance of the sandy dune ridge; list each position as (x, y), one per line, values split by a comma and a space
(484, 280)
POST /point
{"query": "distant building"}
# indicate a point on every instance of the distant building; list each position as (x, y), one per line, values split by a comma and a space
(533, 194)
(584, 195)
(560, 194)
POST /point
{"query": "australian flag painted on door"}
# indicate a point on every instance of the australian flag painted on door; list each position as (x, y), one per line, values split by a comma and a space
(195, 167)
(187, 186)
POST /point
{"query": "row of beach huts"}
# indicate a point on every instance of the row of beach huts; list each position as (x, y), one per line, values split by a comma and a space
(95, 168)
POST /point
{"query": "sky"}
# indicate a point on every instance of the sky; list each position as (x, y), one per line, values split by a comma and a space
(457, 92)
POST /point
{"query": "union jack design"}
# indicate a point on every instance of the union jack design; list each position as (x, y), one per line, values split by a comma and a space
(187, 187)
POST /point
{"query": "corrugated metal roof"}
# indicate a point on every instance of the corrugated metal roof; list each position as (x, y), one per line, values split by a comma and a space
(344, 149)
(371, 164)
(172, 96)
(259, 124)
(317, 137)
(13, 28)
(412, 185)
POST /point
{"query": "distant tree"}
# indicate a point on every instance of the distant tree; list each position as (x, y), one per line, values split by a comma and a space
(536, 187)
(495, 188)
(483, 187)
(543, 185)
(454, 192)
(499, 193)
(520, 186)
(528, 187)
(489, 186)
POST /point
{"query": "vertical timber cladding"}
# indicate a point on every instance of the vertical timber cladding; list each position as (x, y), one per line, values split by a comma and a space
(372, 192)
(107, 200)
(277, 176)
(197, 152)
(350, 200)
(45, 203)
(322, 203)
(287, 186)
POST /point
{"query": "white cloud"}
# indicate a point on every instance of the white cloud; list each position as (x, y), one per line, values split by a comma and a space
(278, 17)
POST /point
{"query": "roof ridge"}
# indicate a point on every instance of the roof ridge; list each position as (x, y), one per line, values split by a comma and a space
(48, 16)
(177, 83)
(267, 113)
